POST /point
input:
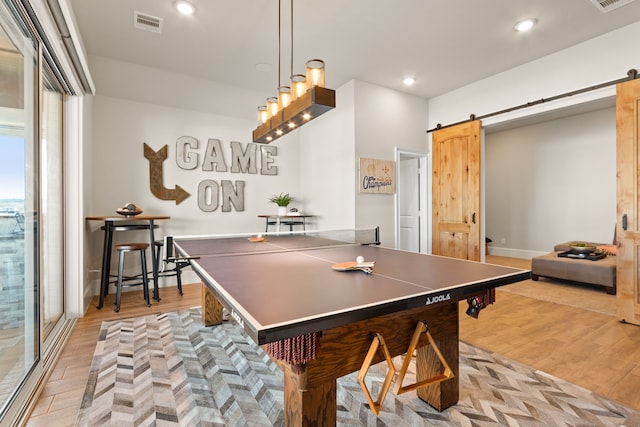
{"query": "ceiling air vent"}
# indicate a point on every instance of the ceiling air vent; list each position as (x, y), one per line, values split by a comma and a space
(143, 21)
(608, 5)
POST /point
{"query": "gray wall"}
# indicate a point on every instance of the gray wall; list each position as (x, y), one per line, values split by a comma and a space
(551, 182)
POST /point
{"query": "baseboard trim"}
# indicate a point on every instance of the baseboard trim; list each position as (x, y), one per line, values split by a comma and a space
(514, 253)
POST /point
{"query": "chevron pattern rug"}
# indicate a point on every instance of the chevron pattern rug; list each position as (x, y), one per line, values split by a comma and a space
(170, 370)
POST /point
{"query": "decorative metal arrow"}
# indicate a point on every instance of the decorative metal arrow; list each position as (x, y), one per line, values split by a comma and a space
(156, 176)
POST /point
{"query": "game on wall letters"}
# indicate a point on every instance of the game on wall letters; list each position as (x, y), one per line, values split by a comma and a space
(211, 194)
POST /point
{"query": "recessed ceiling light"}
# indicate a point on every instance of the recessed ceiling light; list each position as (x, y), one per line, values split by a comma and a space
(409, 81)
(185, 7)
(264, 67)
(525, 25)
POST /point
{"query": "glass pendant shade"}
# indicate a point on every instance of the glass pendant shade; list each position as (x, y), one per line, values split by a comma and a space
(315, 73)
(303, 100)
(284, 97)
(262, 114)
(272, 106)
(298, 86)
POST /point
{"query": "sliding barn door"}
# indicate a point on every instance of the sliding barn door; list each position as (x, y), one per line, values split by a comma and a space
(628, 186)
(456, 191)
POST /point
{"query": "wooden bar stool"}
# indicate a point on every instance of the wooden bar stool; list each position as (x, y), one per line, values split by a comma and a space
(122, 250)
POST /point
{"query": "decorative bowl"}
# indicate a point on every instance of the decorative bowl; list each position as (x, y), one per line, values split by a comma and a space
(582, 248)
(129, 209)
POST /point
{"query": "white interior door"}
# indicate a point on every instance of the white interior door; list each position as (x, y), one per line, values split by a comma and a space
(412, 196)
(409, 204)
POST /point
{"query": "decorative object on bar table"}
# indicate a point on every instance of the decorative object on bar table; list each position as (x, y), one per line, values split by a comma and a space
(130, 209)
(282, 200)
(305, 99)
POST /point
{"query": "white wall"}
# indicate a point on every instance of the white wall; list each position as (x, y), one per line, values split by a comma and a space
(385, 119)
(120, 172)
(327, 157)
(551, 182)
(601, 59)
(368, 121)
(138, 83)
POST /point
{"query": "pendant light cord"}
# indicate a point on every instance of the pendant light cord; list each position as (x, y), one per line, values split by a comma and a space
(291, 71)
(279, 41)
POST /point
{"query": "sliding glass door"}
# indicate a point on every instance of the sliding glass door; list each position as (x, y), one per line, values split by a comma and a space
(51, 211)
(19, 202)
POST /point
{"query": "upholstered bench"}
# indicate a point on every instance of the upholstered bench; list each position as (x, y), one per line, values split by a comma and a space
(601, 272)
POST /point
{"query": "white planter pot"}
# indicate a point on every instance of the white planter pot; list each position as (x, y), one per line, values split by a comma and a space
(282, 210)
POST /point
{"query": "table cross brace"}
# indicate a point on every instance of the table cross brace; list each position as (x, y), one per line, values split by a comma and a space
(376, 343)
(421, 328)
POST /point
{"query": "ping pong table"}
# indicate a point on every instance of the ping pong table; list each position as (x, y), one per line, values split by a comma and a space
(320, 324)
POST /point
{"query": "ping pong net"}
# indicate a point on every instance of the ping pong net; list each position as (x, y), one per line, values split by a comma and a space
(365, 236)
(309, 239)
(249, 244)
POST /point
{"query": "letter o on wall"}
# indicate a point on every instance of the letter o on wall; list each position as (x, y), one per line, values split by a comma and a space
(208, 195)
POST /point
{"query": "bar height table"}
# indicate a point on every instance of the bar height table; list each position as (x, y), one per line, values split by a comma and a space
(126, 223)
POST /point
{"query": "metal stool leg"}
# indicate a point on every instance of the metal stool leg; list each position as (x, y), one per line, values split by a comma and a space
(119, 283)
(145, 279)
(179, 277)
(158, 248)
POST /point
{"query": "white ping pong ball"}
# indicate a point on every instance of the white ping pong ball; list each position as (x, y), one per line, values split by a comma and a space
(259, 236)
(360, 259)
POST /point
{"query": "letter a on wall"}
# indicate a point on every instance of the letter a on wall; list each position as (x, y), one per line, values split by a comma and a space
(156, 178)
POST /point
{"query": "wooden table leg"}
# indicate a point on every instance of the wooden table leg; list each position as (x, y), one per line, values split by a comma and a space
(310, 393)
(313, 407)
(211, 308)
(444, 394)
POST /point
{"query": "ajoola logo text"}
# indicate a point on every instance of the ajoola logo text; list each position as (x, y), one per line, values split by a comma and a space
(437, 298)
(238, 318)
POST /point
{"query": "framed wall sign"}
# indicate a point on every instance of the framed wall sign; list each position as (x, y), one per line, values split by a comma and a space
(377, 176)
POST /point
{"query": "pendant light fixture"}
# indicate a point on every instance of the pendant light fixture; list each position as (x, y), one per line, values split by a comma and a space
(302, 101)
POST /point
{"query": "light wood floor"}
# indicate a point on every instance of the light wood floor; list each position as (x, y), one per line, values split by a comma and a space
(60, 400)
(582, 346)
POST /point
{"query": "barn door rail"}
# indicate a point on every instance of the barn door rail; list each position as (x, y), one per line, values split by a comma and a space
(631, 75)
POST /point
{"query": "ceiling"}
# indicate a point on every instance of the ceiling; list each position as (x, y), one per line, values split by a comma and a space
(444, 44)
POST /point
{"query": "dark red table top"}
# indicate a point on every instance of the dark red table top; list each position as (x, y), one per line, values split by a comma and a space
(285, 286)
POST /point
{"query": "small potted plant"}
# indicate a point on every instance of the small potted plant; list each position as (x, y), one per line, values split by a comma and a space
(282, 200)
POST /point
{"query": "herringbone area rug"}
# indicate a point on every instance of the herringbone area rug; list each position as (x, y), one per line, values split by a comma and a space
(169, 370)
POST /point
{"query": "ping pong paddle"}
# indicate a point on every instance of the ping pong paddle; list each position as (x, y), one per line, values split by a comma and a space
(256, 239)
(367, 267)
